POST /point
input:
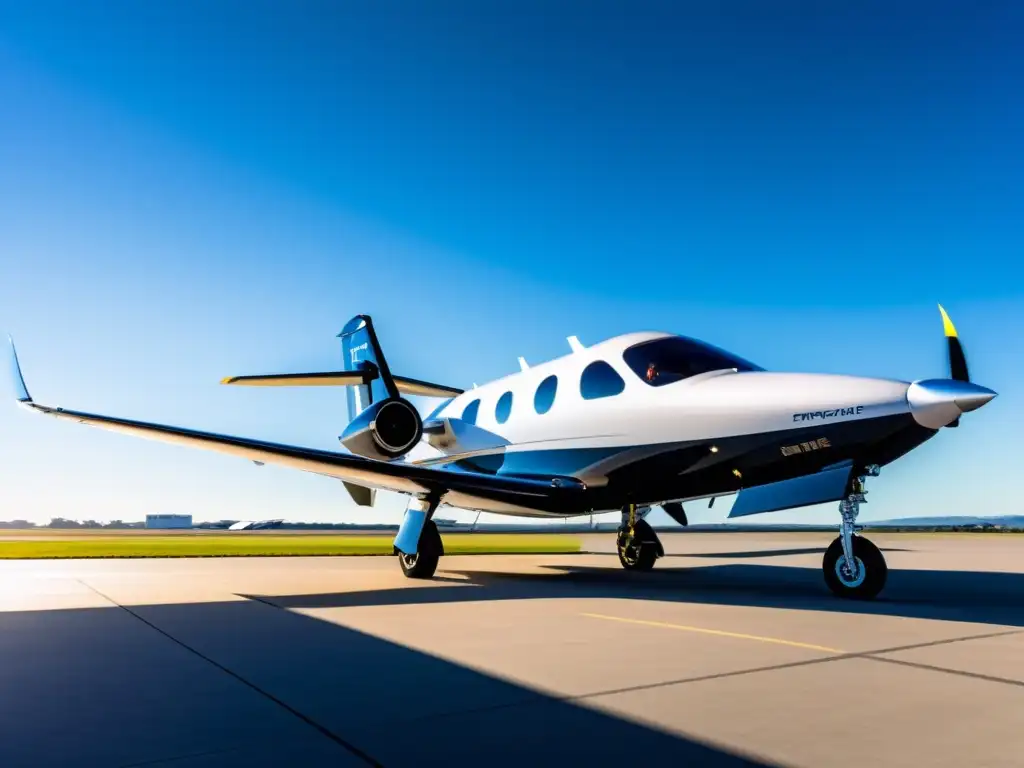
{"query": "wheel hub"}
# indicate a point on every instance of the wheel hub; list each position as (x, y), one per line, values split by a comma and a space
(850, 577)
(409, 560)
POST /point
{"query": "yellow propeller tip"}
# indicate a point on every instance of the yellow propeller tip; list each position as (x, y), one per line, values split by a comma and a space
(947, 324)
(226, 380)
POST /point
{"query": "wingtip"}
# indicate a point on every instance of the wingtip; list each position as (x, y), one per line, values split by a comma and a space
(20, 390)
(947, 325)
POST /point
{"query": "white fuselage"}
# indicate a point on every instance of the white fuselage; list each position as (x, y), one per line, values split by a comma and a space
(710, 405)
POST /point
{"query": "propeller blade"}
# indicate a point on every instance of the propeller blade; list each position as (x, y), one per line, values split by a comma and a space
(957, 360)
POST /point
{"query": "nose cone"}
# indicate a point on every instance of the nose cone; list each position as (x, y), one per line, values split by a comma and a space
(972, 399)
(935, 403)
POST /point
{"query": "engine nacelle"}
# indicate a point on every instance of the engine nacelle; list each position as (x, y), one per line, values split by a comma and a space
(387, 429)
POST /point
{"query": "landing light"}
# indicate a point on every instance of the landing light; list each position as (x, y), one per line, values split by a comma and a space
(714, 449)
(737, 473)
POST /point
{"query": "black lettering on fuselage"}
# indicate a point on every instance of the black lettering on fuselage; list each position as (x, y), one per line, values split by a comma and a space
(831, 413)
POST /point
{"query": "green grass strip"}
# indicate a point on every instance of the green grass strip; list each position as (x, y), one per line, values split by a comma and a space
(242, 545)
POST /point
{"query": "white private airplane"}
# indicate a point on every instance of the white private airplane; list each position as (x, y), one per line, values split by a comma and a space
(638, 420)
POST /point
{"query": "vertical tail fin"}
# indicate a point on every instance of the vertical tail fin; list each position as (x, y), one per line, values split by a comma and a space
(361, 352)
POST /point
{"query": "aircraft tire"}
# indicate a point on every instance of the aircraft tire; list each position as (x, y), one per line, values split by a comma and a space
(871, 575)
(423, 564)
(640, 553)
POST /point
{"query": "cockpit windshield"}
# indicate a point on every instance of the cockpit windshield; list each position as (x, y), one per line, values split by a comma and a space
(673, 358)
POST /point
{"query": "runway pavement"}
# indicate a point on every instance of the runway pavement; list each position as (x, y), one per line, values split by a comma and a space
(730, 653)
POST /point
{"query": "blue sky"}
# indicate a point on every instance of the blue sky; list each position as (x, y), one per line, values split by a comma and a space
(192, 189)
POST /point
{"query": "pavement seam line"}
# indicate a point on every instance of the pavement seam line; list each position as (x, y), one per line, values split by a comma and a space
(554, 696)
(838, 656)
(549, 694)
(321, 729)
(733, 673)
(947, 670)
(947, 641)
(790, 665)
(717, 632)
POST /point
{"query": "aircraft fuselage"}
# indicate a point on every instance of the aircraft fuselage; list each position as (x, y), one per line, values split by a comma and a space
(709, 434)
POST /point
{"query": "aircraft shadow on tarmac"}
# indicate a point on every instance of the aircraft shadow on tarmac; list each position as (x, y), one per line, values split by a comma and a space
(965, 596)
(145, 684)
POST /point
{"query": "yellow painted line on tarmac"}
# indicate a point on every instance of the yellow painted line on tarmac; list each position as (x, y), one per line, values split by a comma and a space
(718, 632)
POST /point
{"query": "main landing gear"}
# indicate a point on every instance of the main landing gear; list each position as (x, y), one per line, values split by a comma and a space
(423, 563)
(418, 543)
(853, 566)
(637, 543)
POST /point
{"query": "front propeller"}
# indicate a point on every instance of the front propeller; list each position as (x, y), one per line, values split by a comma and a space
(957, 359)
(938, 403)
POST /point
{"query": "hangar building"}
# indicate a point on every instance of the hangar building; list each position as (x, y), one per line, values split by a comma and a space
(168, 521)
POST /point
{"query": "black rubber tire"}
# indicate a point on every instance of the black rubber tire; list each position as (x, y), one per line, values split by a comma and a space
(642, 554)
(876, 571)
(423, 564)
(418, 566)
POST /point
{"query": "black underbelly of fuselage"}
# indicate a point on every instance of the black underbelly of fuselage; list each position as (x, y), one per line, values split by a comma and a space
(698, 469)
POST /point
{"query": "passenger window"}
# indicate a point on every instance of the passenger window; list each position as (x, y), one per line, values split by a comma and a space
(504, 408)
(469, 415)
(600, 380)
(545, 396)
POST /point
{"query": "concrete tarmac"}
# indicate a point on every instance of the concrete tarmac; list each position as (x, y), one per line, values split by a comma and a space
(731, 652)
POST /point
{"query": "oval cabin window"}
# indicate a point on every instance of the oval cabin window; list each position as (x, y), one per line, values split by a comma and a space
(469, 415)
(504, 408)
(545, 396)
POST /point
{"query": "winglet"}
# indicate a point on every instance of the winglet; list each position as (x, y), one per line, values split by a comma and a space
(574, 344)
(947, 325)
(20, 390)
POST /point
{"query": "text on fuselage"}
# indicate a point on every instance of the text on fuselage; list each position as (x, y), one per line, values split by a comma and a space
(853, 410)
(811, 445)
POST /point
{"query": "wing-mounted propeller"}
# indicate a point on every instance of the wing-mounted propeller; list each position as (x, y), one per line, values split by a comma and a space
(938, 403)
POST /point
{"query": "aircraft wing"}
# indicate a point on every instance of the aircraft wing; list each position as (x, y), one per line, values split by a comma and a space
(463, 489)
(405, 384)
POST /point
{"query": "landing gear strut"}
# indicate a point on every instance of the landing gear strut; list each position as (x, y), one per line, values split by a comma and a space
(853, 566)
(637, 543)
(418, 544)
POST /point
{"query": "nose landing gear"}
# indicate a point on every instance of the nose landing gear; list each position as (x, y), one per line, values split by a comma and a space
(854, 567)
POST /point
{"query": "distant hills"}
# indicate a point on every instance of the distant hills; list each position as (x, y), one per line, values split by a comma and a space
(954, 521)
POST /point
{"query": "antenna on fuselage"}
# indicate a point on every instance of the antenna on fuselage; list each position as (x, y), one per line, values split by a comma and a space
(574, 344)
(523, 366)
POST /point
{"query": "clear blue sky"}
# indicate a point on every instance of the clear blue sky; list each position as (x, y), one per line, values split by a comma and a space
(195, 189)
